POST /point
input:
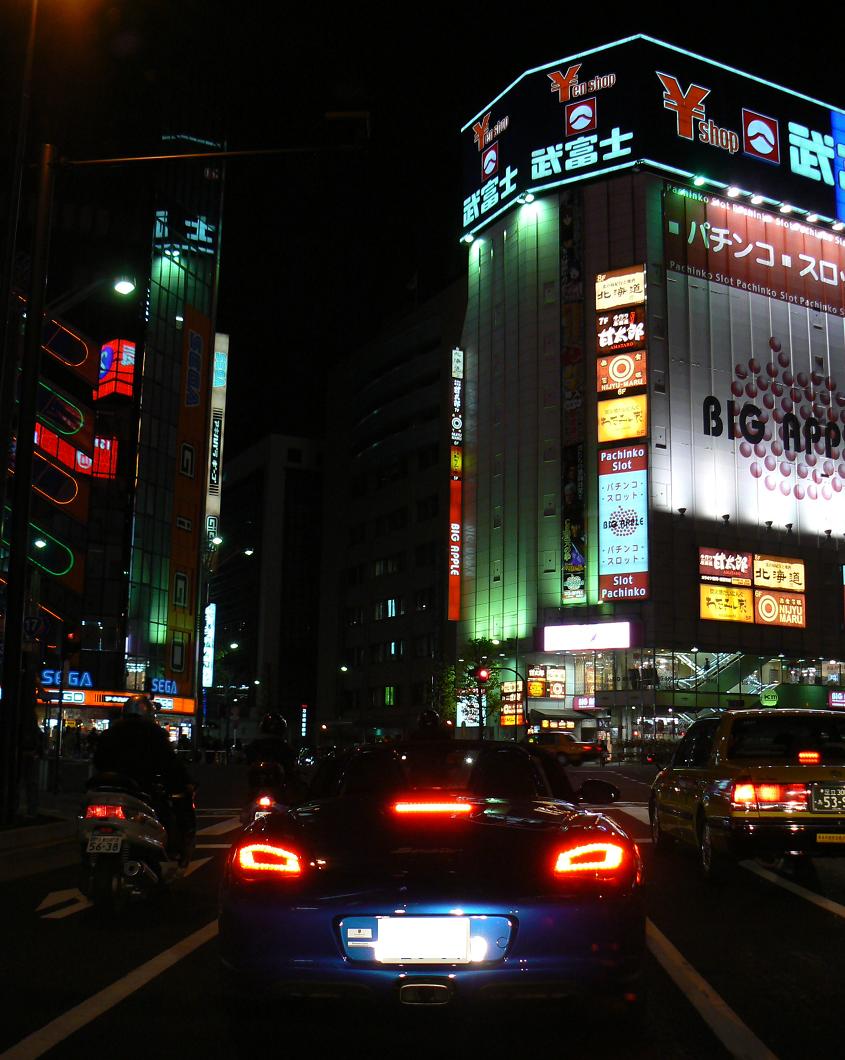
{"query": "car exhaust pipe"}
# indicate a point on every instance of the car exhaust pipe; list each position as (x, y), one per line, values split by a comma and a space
(425, 994)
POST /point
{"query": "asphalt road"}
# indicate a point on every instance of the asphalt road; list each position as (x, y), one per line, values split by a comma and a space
(747, 969)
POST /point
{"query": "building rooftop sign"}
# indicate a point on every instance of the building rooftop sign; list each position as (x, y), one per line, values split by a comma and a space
(642, 102)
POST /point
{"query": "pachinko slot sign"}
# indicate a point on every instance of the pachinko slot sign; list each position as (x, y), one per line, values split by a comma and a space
(623, 523)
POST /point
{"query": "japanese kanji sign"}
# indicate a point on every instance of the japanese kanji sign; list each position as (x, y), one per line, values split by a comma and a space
(725, 567)
(640, 101)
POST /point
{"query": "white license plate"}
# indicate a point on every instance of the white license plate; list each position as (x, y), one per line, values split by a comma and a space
(104, 844)
(259, 814)
(423, 940)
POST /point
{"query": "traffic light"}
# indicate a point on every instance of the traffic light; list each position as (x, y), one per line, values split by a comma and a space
(482, 674)
(70, 641)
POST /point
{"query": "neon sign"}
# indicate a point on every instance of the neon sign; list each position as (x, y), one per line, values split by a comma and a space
(456, 487)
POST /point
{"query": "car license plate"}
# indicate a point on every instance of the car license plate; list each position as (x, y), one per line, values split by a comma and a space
(830, 837)
(829, 798)
(104, 844)
(423, 940)
(259, 814)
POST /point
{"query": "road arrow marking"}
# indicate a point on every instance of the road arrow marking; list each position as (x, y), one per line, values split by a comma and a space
(72, 894)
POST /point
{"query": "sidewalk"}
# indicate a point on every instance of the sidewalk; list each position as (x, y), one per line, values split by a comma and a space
(55, 823)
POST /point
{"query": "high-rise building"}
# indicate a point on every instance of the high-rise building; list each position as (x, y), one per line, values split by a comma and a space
(385, 588)
(654, 349)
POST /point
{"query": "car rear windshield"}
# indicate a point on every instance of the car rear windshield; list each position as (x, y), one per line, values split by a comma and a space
(495, 771)
(783, 737)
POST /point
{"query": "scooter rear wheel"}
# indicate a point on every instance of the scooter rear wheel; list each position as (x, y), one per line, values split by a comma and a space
(107, 889)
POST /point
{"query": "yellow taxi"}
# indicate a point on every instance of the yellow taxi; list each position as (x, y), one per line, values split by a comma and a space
(754, 783)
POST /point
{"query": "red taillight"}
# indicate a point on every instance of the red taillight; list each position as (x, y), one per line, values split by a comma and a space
(268, 858)
(809, 758)
(590, 857)
(769, 796)
(104, 810)
(265, 801)
(449, 809)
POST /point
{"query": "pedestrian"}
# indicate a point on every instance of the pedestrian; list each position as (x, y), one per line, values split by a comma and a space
(31, 747)
(91, 741)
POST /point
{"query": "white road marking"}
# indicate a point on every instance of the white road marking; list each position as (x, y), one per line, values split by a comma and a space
(194, 865)
(229, 825)
(716, 1013)
(802, 892)
(49, 1036)
(226, 812)
(212, 846)
(624, 776)
(77, 900)
(639, 813)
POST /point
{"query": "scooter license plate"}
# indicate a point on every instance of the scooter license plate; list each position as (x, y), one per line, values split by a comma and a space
(260, 813)
(104, 844)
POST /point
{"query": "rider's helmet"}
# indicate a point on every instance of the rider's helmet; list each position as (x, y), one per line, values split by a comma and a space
(139, 706)
(274, 724)
(429, 721)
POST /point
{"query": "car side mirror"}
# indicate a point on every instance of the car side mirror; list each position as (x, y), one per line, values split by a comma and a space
(598, 792)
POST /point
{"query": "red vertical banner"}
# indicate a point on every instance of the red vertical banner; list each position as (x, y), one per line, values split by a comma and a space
(456, 476)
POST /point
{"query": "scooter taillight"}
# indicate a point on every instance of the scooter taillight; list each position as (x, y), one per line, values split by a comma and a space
(96, 809)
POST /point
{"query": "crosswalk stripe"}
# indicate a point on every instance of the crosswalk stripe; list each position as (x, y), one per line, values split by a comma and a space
(229, 825)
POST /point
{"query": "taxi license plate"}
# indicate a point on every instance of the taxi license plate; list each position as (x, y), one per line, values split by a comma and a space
(104, 844)
(829, 798)
(830, 837)
(423, 940)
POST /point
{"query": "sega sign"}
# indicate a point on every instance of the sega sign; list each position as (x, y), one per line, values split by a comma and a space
(74, 679)
(165, 686)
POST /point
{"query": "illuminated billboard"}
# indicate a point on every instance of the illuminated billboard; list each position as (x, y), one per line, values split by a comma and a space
(618, 372)
(724, 566)
(775, 608)
(623, 523)
(622, 329)
(642, 102)
(621, 418)
(117, 369)
(620, 287)
(725, 603)
(756, 401)
(456, 487)
(597, 636)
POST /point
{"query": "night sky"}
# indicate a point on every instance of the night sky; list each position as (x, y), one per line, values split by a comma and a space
(321, 248)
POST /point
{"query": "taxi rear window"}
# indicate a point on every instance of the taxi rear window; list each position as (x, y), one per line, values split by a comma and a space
(781, 738)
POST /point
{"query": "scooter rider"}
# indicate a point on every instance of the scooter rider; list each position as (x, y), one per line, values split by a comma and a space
(135, 746)
(271, 749)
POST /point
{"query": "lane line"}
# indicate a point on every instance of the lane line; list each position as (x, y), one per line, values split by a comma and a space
(229, 825)
(217, 812)
(212, 846)
(639, 813)
(49, 1036)
(194, 865)
(738, 1039)
(796, 888)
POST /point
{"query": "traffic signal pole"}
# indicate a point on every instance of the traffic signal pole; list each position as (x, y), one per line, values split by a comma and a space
(18, 534)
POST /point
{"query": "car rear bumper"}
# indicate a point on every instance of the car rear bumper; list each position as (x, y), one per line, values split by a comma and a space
(557, 950)
(821, 838)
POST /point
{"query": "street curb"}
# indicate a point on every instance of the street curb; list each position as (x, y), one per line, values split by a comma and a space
(36, 835)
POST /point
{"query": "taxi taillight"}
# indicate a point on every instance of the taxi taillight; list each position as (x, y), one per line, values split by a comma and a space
(769, 796)
(102, 810)
(809, 758)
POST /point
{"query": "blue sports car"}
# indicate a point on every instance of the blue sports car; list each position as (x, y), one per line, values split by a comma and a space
(435, 871)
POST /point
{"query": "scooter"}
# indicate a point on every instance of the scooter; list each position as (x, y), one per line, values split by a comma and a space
(123, 844)
(266, 783)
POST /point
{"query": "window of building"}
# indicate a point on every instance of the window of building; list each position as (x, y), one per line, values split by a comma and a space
(354, 616)
(180, 589)
(187, 464)
(177, 652)
(388, 565)
(425, 646)
(390, 697)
